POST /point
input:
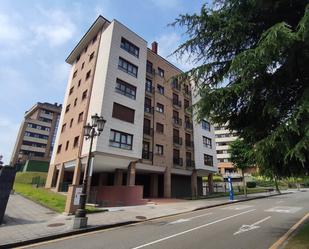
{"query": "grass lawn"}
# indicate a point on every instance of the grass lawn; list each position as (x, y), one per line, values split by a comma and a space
(301, 238)
(47, 198)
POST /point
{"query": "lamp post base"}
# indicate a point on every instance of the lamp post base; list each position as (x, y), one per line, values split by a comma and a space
(80, 222)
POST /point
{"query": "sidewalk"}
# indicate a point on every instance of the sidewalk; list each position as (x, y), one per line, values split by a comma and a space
(26, 220)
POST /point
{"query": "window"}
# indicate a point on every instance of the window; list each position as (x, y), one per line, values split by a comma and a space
(161, 72)
(80, 117)
(71, 122)
(127, 67)
(94, 38)
(149, 67)
(125, 88)
(91, 56)
(63, 127)
(67, 108)
(77, 58)
(159, 128)
(129, 47)
(59, 148)
(147, 106)
(160, 89)
(84, 94)
(175, 84)
(75, 144)
(74, 74)
(88, 74)
(147, 127)
(148, 86)
(79, 82)
(83, 65)
(75, 101)
(207, 142)
(160, 108)
(159, 149)
(121, 140)
(67, 145)
(208, 160)
(86, 48)
(186, 103)
(123, 113)
(71, 90)
(205, 125)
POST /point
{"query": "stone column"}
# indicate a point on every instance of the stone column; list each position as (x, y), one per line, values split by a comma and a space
(118, 177)
(167, 183)
(131, 174)
(194, 184)
(50, 176)
(154, 185)
(210, 183)
(77, 172)
(60, 177)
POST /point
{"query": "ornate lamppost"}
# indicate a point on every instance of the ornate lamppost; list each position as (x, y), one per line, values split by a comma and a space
(90, 132)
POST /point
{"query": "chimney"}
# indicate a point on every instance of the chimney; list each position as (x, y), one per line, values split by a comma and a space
(154, 47)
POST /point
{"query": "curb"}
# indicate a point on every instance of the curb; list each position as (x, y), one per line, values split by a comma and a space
(103, 227)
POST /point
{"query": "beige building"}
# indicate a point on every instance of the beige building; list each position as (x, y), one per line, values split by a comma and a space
(149, 139)
(36, 137)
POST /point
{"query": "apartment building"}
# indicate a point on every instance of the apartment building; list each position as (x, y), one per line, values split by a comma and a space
(149, 140)
(36, 137)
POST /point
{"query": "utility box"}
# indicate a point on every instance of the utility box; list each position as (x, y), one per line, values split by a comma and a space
(7, 177)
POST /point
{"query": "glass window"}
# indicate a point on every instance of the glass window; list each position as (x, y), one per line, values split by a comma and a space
(207, 142)
(129, 47)
(121, 140)
(208, 160)
(127, 67)
(205, 125)
(125, 88)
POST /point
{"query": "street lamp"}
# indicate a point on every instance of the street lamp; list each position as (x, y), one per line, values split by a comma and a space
(90, 132)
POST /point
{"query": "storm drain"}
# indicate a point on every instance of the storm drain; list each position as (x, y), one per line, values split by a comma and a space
(56, 225)
(141, 217)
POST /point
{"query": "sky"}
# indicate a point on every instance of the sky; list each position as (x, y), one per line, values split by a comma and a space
(36, 37)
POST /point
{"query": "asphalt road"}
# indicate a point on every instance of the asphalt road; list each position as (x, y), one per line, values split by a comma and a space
(254, 224)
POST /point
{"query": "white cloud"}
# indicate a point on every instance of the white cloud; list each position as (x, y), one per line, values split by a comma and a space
(9, 32)
(8, 134)
(56, 28)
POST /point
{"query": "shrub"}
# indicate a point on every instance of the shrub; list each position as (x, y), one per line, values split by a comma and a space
(251, 184)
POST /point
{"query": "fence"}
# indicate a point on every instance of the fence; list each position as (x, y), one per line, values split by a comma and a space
(38, 181)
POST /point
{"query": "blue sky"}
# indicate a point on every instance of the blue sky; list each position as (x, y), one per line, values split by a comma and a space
(37, 36)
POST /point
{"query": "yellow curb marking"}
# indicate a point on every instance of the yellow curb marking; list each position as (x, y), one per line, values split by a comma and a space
(280, 241)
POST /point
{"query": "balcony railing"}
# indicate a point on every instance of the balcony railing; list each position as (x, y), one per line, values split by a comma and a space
(177, 161)
(149, 89)
(177, 140)
(148, 109)
(147, 155)
(187, 92)
(148, 131)
(189, 144)
(176, 86)
(189, 125)
(177, 121)
(190, 163)
(177, 103)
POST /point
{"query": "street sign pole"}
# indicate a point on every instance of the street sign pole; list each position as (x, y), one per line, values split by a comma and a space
(231, 188)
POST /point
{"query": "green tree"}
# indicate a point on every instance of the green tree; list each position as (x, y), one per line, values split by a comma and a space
(253, 58)
(242, 158)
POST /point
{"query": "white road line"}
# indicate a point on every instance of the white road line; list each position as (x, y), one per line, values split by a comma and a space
(246, 228)
(188, 219)
(193, 229)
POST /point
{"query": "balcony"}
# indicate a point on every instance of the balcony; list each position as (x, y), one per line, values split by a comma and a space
(148, 109)
(176, 86)
(177, 161)
(176, 103)
(149, 90)
(177, 140)
(150, 72)
(189, 126)
(177, 121)
(147, 155)
(189, 144)
(148, 131)
(187, 92)
(190, 164)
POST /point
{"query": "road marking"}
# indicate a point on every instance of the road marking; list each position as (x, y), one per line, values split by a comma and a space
(284, 209)
(237, 207)
(279, 242)
(246, 228)
(193, 229)
(188, 219)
